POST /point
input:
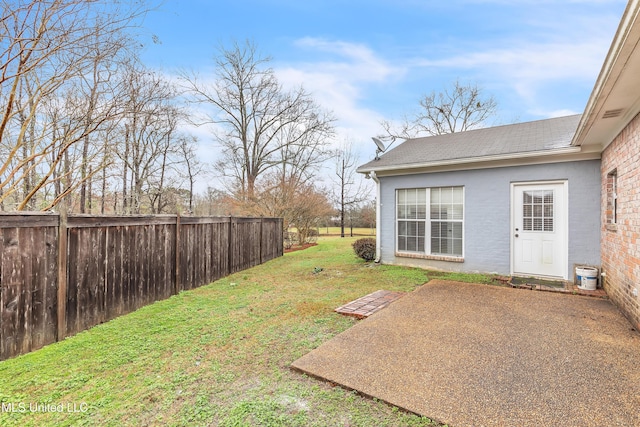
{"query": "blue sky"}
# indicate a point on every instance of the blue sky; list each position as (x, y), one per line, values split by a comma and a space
(369, 61)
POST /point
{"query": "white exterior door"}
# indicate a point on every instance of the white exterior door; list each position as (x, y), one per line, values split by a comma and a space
(539, 229)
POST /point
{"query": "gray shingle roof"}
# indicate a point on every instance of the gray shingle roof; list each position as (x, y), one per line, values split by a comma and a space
(529, 137)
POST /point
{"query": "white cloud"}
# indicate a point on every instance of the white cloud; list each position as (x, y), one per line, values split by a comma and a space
(340, 83)
(531, 69)
(526, 67)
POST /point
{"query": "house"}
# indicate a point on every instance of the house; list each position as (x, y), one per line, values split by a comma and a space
(531, 199)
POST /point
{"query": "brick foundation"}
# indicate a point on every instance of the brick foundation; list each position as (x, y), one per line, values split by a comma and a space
(620, 249)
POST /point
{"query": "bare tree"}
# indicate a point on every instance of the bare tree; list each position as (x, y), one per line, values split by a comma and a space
(258, 124)
(149, 128)
(456, 109)
(300, 205)
(189, 165)
(46, 49)
(350, 191)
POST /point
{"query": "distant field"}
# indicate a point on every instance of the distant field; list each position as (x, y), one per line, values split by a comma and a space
(335, 231)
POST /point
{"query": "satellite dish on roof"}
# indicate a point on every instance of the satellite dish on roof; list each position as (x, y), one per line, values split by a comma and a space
(379, 144)
(381, 147)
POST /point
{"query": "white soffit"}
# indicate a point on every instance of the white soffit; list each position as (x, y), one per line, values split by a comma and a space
(615, 99)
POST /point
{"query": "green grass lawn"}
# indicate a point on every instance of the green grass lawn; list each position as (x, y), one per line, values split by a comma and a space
(217, 355)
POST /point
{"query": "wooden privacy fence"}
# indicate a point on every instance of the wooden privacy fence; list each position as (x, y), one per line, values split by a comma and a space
(59, 276)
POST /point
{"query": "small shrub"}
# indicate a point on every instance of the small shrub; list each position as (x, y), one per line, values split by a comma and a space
(365, 248)
(312, 235)
(290, 239)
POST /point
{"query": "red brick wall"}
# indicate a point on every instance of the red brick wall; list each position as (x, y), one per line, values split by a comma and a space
(620, 241)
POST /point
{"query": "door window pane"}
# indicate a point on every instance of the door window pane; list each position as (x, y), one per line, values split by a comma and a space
(537, 210)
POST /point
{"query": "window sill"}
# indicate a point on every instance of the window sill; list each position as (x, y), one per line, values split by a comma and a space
(611, 227)
(430, 257)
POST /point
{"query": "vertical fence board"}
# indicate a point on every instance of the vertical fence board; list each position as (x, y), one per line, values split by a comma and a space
(111, 289)
(50, 297)
(26, 243)
(37, 290)
(72, 283)
(62, 276)
(96, 278)
(128, 268)
(110, 266)
(170, 259)
(11, 290)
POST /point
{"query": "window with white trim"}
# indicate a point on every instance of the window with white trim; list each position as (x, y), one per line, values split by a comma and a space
(430, 220)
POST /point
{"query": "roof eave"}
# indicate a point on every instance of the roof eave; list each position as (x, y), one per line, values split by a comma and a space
(511, 159)
(614, 89)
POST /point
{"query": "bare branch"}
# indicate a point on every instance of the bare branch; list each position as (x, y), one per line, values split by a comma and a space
(456, 109)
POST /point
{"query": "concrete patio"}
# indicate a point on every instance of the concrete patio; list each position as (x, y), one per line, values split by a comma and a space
(477, 355)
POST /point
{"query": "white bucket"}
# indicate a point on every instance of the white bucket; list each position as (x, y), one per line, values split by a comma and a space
(587, 278)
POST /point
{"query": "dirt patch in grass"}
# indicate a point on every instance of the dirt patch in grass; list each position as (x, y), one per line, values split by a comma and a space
(295, 248)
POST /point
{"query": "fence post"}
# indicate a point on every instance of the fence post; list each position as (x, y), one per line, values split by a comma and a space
(281, 239)
(261, 238)
(176, 288)
(62, 274)
(230, 244)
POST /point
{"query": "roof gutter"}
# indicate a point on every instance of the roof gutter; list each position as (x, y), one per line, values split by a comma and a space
(480, 159)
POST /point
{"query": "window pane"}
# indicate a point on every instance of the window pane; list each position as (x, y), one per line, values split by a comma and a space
(422, 196)
(444, 246)
(411, 244)
(402, 197)
(435, 230)
(455, 212)
(537, 211)
(411, 236)
(435, 195)
(435, 245)
(457, 247)
(402, 243)
(435, 211)
(411, 228)
(444, 229)
(446, 214)
(411, 211)
(411, 215)
(537, 197)
(411, 197)
(537, 224)
(446, 196)
(402, 228)
(456, 228)
(458, 195)
(422, 211)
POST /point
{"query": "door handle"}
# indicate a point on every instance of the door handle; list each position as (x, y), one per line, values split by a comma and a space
(516, 234)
